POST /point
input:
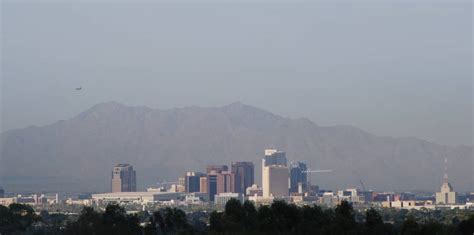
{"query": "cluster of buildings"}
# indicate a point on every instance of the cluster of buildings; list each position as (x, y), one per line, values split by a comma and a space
(32, 199)
(280, 180)
(219, 183)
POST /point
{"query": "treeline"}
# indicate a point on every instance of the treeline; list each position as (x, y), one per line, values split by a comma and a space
(114, 220)
(237, 218)
(284, 218)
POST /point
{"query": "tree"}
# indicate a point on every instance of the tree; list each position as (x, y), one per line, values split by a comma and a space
(216, 222)
(89, 222)
(344, 217)
(23, 215)
(466, 227)
(373, 222)
(158, 221)
(249, 219)
(410, 226)
(233, 216)
(266, 220)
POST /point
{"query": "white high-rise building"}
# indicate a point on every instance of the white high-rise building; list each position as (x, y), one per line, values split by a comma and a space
(274, 174)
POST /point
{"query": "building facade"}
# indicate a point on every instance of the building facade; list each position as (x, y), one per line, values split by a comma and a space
(203, 184)
(275, 181)
(298, 177)
(446, 196)
(216, 168)
(221, 182)
(124, 178)
(193, 182)
(245, 172)
(274, 174)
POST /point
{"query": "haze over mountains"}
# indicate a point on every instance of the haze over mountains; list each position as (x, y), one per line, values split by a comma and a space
(78, 154)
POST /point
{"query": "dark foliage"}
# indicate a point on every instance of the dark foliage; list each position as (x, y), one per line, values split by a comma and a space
(284, 218)
(237, 218)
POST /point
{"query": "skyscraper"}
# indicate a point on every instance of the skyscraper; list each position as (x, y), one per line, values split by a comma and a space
(193, 182)
(245, 172)
(221, 182)
(212, 185)
(124, 178)
(217, 168)
(203, 184)
(2, 192)
(274, 174)
(275, 181)
(275, 157)
(298, 176)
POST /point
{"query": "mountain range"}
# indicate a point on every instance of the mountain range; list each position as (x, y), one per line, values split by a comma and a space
(78, 154)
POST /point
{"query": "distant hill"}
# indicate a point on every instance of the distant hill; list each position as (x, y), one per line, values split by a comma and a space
(78, 154)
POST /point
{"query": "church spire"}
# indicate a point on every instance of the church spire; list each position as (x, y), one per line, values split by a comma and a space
(445, 177)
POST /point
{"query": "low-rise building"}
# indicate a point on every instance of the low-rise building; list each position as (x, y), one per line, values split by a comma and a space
(138, 197)
(223, 198)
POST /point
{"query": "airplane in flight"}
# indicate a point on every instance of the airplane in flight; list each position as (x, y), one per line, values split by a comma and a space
(78, 88)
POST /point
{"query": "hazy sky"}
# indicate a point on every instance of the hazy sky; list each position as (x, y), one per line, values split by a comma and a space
(393, 68)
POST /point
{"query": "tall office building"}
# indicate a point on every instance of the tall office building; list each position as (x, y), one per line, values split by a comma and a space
(212, 185)
(2, 192)
(274, 157)
(124, 178)
(221, 182)
(274, 174)
(245, 172)
(193, 182)
(216, 168)
(203, 184)
(275, 181)
(298, 177)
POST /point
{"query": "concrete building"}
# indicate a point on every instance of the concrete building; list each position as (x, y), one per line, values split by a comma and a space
(274, 174)
(216, 168)
(274, 157)
(182, 182)
(137, 197)
(193, 182)
(245, 172)
(7, 201)
(221, 182)
(298, 177)
(223, 198)
(124, 178)
(275, 181)
(203, 184)
(446, 196)
(329, 199)
(254, 190)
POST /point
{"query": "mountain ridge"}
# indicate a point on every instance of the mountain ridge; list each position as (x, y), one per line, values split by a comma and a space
(86, 146)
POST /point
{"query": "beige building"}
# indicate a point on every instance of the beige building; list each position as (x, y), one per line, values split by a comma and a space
(275, 174)
(275, 181)
(446, 196)
(7, 201)
(203, 184)
(124, 178)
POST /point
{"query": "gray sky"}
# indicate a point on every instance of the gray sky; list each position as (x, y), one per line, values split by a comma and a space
(393, 68)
